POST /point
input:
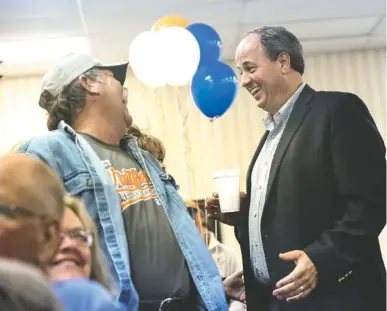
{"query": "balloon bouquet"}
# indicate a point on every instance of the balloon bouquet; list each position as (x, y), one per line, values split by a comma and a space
(177, 53)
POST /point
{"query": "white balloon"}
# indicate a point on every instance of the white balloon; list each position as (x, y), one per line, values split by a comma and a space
(146, 60)
(181, 55)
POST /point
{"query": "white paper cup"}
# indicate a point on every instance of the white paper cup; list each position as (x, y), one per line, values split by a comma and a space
(228, 186)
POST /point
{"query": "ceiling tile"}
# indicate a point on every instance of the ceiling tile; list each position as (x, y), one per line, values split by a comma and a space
(120, 32)
(114, 24)
(380, 28)
(40, 28)
(135, 12)
(327, 28)
(218, 1)
(21, 19)
(20, 9)
(264, 12)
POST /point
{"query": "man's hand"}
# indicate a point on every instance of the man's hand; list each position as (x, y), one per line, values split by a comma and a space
(234, 286)
(213, 210)
(301, 281)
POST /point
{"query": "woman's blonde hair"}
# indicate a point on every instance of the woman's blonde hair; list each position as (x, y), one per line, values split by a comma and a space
(99, 271)
(197, 216)
(148, 142)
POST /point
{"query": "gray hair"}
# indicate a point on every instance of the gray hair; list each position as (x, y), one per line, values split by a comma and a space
(66, 106)
(277, 40)
(23, 287)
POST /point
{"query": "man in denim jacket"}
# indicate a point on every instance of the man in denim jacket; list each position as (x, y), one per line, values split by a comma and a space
(153, 248)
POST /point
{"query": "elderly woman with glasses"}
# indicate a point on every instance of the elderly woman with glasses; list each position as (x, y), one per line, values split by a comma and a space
(78, 254)
(78, 273)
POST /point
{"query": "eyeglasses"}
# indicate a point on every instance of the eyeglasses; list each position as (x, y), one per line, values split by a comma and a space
(81, 236)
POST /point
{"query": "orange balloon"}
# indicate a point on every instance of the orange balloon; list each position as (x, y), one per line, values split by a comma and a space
(169, 21)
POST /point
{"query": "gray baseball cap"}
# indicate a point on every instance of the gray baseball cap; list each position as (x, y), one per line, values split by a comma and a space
(67, 69)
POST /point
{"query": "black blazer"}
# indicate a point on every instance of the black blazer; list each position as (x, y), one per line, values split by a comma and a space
(327, 196)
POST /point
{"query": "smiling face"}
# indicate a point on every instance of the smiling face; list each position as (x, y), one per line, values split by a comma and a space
(73, 257)
(266, 80)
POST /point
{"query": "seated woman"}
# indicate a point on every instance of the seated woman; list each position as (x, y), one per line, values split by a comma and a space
(78, 264)
(149, 143)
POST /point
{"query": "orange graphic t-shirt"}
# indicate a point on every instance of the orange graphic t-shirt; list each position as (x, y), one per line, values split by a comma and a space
(157, 263)
(132, 185)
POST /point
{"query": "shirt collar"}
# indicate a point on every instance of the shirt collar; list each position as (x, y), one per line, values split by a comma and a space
(271, 121)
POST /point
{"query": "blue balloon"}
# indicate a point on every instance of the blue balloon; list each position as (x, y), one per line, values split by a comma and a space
(209, 42)
(213, 88)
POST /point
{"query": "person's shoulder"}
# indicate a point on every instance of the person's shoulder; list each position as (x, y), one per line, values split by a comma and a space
(327, 104)
(336, 100)
(225, 251)
(52, 139)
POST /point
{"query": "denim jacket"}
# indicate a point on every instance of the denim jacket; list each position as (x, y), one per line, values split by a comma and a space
(84, 176)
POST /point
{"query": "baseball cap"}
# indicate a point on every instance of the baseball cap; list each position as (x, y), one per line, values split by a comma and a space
(69, 68)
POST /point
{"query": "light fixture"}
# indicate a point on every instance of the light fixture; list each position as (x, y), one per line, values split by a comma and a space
(41, 50)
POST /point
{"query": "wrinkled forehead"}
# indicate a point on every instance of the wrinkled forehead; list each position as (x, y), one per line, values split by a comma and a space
(26, 198)
(27, 183)
(248, 49)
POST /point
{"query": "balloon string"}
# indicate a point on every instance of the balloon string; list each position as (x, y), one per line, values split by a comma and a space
(186, 143)
(215, 154)
(216, 132)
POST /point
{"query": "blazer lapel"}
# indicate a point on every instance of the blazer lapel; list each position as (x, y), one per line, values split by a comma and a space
(301, 107)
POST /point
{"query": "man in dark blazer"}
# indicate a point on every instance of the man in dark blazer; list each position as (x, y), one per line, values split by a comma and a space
(316, 189)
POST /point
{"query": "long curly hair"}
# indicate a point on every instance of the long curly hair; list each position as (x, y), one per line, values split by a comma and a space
(148, 142)
(68, 103)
